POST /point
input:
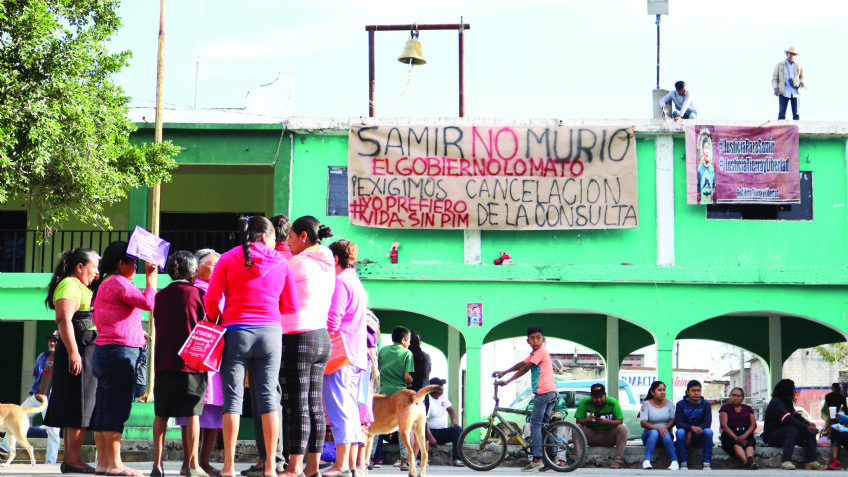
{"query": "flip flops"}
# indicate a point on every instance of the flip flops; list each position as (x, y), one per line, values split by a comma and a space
(69, 469)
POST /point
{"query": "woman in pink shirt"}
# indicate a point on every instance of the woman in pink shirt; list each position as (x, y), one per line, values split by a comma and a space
(341, 388)
(306, 344)
(259, 288)
(118, 304)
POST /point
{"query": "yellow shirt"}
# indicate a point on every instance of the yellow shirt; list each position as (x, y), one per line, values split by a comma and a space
(72, 289)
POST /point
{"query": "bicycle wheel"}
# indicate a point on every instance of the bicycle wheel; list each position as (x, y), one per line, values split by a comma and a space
(565, 446)
(486, 447)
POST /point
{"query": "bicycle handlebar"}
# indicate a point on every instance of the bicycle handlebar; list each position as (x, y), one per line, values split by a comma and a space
(496, 389)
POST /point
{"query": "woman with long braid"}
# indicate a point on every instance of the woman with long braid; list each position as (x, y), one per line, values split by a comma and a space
(259, 288)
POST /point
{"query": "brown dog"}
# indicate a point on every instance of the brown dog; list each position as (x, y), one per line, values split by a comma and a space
(404, 412)
(14, 422)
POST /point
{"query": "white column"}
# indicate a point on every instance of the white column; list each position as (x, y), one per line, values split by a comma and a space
(613, 360)
(775, 352)
(28, 357)
(454, 376)
(665, 199)
(472, 247)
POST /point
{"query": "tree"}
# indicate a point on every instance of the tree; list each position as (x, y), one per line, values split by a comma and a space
(834, 353)
(64, 130)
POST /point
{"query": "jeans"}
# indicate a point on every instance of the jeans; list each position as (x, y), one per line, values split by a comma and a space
(690, 114)
(114, 367)
(448, 434)
(788, 437)
(542, 406)
(650, 438)
(782, 102)
(706, 440)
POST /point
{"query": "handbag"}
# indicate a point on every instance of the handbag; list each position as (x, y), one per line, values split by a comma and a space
(203, 349)
(338, 353)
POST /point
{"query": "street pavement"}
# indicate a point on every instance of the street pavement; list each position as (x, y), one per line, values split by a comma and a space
(172, 469)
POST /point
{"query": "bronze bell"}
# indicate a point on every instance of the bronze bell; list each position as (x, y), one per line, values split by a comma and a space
(412, 51)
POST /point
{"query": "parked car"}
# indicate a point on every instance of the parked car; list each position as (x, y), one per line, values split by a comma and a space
(572, 392)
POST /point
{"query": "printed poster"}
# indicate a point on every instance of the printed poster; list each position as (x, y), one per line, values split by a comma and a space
(475, 314)
(742, 165)
(492, 178)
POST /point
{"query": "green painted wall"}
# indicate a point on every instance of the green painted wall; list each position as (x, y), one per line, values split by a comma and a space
(729, 275)
(223, 143)
(219, 188)
(569, 281)
(314, 154)
(822, 241)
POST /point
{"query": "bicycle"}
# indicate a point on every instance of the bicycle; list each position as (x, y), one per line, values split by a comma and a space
(565, 447)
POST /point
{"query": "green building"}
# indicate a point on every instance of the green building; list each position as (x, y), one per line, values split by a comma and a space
(768, 278)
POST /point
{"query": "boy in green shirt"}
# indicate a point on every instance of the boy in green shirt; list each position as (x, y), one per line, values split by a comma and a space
(395, 363)
(396, 366)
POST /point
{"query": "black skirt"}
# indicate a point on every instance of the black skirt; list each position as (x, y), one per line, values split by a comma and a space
(71, 402)
(727, 441)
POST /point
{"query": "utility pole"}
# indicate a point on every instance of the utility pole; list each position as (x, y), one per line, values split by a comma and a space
(156, 189)
(677, 354)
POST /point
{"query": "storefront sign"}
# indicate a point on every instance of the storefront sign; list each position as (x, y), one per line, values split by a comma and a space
(493, 178)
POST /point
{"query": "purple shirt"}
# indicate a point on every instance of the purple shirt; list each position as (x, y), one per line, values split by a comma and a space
(214, 386)
(737, 419)
(347, 315)
(371, 340)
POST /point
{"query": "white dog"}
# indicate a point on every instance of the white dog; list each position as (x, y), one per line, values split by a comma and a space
(14, 422)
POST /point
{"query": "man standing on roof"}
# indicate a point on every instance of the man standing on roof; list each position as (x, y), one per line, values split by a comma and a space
(787, 80)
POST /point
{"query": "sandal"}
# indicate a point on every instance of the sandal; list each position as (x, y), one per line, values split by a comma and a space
(69, 469)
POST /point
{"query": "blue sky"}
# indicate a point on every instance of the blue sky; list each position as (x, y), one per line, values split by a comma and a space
(528, 59)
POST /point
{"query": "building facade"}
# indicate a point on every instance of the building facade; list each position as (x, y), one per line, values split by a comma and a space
(756, 281)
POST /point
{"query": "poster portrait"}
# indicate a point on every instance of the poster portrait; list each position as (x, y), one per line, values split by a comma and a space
(742, 165)
(474, 311)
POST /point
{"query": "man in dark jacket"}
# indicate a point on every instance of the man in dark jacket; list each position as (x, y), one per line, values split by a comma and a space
(693, 418)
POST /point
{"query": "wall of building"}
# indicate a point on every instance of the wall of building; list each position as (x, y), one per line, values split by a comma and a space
(675, 275)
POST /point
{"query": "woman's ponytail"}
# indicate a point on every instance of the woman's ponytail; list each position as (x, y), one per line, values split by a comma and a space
(243, 226)
(251, 230)
(324, 232)
(315, 230)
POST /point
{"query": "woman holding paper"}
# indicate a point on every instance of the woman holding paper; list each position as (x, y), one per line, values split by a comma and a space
(118, 304)
(341, 388)
(259, 288)
(306, 344)
(72, 398)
